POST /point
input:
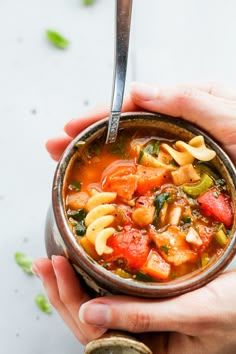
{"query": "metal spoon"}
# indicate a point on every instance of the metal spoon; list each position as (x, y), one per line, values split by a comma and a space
(123, 19)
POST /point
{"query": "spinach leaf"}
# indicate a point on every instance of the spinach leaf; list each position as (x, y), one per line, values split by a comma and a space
(160, 201)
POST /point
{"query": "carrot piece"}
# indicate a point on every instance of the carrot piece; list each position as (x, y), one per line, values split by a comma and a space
(156, 266)
(151, 177)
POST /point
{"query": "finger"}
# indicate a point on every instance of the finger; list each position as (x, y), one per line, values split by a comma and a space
(75, 126)
(55, 146)
(44, 269)
(216, 114)
(73, 296)
(176, 314)
(214, 88)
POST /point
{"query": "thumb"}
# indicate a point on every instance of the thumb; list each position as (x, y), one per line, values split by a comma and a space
(137, 315)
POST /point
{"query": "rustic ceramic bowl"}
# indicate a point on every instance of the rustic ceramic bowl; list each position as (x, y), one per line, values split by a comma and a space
(60, 239)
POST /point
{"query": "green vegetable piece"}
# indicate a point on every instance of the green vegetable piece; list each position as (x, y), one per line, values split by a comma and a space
(153, 148)
(24, 262)
(122, 273)
(141, 154)
(76, 186)
(165, 249)
(57, 40)
(160, 201)
(141, 276)
(205, 259)
(88, 2)
(80, 228)
(221, 238)
(42, 303)
(206, 167)
(77, 215)
(202, 186)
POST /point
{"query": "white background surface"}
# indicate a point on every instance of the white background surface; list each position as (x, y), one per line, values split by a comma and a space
(42, 87)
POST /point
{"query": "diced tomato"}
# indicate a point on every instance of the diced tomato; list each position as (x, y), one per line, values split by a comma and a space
(156, 266)
(120, 177)
(173, 246)
(217, 204)
(130, 249)
(151, 177)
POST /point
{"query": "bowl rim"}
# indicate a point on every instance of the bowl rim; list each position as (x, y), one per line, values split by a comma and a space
(107, 278)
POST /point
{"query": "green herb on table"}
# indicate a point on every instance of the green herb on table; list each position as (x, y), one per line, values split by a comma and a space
(24, 262)
(57, 40)
(88, 2)
(42, 303)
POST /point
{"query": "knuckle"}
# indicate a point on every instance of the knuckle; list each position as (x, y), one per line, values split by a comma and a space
(185, 94)
(140, 322)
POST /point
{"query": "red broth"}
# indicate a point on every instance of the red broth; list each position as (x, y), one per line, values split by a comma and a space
(143, 212)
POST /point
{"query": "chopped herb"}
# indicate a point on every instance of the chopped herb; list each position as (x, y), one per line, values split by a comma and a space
(216, 194)
(94, 149)
(42, 303)
(56, 39)
(77, 215)
(118, 148)
(24, 262)
(80, 228)
(140, 156)
(143, 277)
(153, 148)
(76, 186)
(88, 2)
(160, 201)
(186, 219)
(165, 249)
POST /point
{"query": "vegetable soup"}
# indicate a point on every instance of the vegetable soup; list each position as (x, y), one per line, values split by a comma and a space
(148, 207)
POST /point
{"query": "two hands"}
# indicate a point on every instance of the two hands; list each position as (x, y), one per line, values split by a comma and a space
(200, 322)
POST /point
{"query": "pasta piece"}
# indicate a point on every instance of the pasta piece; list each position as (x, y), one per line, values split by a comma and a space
(182, 157)
(101, 240)
(98, 225)
(97, 212)
(100, 198)
(197, 148)
(185, 174)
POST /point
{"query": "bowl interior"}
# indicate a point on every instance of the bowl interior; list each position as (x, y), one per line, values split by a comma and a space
(166, 126)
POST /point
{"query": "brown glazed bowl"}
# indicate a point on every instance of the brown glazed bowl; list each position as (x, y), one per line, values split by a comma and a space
(99, 281)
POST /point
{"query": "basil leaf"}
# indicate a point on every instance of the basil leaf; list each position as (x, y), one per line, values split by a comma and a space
(24, 262)
(77, 215)
(160, 201)
(42, 303)
(57, 40)
(88, 2)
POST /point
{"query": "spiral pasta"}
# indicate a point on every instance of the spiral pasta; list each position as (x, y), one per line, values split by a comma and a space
(98, 219)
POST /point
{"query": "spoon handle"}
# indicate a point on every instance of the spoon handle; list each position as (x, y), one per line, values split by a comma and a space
(123, 19)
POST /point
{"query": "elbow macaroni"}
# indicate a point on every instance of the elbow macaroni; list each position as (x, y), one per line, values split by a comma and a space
(98, 219)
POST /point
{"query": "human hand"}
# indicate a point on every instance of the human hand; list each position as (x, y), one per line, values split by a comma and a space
(66, 295)
(199, 322)
(211, 107)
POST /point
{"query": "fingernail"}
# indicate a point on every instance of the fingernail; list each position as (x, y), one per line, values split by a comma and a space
(35, 270)
(144, 92)
(95, 314)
